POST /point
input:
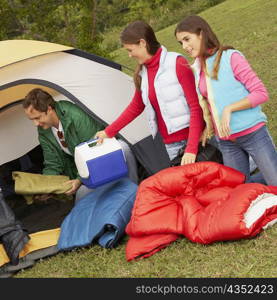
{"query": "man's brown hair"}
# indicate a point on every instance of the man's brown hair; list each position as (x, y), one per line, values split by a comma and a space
(39, 99)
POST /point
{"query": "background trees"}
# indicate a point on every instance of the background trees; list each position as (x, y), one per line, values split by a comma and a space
(90, 25)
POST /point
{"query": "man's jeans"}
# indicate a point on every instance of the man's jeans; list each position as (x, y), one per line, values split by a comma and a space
(260, 146)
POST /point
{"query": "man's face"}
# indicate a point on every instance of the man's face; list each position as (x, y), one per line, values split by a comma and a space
(42, 119)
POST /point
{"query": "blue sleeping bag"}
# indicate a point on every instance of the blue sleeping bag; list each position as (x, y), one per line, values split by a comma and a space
(101, 216)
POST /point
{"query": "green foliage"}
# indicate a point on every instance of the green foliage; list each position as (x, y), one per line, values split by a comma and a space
(65, 22)
(159, 14)
(10, 25)
(90, 25)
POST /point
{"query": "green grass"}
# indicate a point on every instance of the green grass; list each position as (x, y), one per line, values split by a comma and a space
(183, 259)
(249, 26)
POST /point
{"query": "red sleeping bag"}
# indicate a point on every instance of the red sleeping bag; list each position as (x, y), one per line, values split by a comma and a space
(205, 202)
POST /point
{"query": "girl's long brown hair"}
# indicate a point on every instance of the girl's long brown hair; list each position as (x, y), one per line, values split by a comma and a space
(210, 43)
(132, 34)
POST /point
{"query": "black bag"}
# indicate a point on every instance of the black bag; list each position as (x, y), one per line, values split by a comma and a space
(12, 235)
(207, 153)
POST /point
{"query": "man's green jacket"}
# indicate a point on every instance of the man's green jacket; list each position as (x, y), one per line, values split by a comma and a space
(78, 127)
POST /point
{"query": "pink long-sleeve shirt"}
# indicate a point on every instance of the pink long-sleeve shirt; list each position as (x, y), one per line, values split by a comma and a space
(245, 74)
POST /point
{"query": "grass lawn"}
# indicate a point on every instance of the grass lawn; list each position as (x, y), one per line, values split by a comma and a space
(250, 26)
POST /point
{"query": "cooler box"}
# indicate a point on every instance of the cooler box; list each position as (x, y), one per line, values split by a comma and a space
(100, 164)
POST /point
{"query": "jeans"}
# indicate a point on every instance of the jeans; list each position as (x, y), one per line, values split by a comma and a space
(215, 142)
(173, 148)
(259, 145)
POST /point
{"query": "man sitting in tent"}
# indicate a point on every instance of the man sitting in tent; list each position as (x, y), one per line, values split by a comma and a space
(62, 125)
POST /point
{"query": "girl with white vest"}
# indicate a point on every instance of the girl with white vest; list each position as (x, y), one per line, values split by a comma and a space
(230, 94)
(165, 87)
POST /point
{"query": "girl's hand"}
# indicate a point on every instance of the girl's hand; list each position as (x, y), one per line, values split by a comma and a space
(204, 137)
(188, 158)
(225, 122)
(43, 197)
(101, 135)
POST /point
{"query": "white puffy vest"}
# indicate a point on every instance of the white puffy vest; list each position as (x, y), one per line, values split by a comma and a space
(172, 101)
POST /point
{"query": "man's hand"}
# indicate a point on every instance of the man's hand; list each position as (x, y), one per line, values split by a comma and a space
(101, 135)
(188, 158)
(75, 184)
(42, 197)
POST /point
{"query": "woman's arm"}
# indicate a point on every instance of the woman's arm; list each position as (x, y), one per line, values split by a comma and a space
(245, 74)
(133, 110)
(257, 91)
(187, 81)
(226, 115)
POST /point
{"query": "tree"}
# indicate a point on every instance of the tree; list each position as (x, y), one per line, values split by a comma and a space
(83, 24)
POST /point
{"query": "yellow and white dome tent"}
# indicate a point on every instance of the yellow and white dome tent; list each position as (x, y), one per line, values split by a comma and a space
(94, 83)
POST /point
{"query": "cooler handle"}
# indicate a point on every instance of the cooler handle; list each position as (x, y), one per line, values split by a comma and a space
(92, 142)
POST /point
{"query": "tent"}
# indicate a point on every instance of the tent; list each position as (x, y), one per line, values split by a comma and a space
(97, 85)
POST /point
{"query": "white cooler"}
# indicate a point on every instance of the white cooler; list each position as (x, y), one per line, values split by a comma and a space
(100, 164)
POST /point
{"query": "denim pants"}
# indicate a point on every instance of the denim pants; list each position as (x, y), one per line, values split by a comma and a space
(259, 145)
(173, 148)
